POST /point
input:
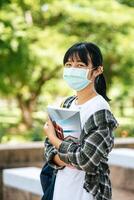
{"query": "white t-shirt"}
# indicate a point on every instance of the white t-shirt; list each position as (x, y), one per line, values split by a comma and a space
(69, 181)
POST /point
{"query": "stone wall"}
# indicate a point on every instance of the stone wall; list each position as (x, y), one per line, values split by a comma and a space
(122, 185)
(122, 178)
(124, 143)
(20, 155)
(14, 194)
(31, 154)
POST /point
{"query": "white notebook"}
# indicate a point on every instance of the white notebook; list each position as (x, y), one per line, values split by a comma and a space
(65, 120)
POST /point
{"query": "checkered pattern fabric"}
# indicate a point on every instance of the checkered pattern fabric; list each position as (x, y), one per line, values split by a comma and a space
(90, 154)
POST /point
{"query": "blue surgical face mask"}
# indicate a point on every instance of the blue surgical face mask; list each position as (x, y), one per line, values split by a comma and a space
(77, 78)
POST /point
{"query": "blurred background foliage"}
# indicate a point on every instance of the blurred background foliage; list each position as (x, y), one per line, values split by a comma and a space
(34, 36)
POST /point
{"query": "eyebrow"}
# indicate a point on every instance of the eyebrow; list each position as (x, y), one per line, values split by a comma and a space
(72, 60)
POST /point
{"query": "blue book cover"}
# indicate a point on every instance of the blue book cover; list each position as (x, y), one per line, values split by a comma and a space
(66, 121)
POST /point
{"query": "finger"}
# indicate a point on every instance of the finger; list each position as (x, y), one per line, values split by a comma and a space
(49, 121)
(46, 125)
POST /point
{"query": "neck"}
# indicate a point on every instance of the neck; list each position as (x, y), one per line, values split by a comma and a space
(85, 94)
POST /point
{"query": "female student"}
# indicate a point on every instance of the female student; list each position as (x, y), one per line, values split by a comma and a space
(83, 170)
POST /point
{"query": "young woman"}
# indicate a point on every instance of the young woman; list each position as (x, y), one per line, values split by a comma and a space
(83, 170)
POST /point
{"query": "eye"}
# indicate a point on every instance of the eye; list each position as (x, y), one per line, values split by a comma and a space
(68, 64)
(81, 65)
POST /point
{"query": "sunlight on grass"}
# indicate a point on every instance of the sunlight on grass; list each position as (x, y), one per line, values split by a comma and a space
(13, 139)
(125, 120)
(9, 120)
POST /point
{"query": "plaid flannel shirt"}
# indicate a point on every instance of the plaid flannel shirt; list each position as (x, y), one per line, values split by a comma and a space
(90, 154)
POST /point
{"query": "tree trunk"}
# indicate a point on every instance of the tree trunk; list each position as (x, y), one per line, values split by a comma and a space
(26, 116)
(26, 108)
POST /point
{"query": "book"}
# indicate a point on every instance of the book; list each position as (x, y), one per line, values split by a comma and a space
(66, 122)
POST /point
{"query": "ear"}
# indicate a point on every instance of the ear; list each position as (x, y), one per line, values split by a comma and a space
(98, 71)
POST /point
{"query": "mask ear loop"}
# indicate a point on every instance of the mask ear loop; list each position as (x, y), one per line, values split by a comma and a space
(100, 74)
(98, 77)
(102, 69)
(89, 70)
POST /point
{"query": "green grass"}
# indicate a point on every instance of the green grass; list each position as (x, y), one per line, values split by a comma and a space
(13, 135)
(126, 127)
(12, 131)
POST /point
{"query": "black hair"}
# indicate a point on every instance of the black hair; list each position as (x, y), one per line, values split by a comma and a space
(84, 50)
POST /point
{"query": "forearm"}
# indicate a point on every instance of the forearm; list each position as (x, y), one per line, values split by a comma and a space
(56, 158)
(58, 161)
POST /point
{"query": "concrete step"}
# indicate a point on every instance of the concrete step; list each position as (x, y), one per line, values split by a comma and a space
(119, 194)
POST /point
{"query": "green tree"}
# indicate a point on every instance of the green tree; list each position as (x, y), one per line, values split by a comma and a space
(35, 35)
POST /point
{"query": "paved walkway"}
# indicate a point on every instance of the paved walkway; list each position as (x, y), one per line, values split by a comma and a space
(119, 194)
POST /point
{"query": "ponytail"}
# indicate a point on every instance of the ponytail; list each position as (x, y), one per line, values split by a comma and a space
(100, 86)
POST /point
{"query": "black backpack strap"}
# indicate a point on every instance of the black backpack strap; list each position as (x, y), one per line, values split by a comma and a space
(67, 102)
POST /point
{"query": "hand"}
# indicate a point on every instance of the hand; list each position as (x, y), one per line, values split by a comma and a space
(50, 133)
(49, 128)
(70, 166)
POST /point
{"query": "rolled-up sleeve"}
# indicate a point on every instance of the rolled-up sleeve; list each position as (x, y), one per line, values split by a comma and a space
(97, 143)
(49, 152)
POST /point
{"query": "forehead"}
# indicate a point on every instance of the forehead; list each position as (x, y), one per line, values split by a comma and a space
(75, 57)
